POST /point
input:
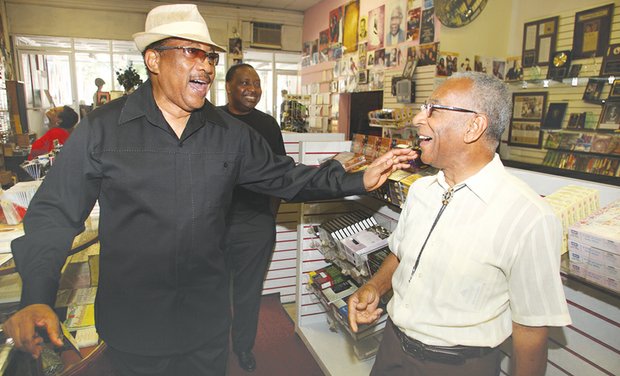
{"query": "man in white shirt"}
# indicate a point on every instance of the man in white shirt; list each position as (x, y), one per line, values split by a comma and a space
(476, 252)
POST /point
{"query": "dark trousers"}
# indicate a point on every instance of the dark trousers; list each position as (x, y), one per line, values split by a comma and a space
(208, 360)
(249, 248)
(392, 360)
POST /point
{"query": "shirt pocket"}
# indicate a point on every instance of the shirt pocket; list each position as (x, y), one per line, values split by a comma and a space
(219, 177)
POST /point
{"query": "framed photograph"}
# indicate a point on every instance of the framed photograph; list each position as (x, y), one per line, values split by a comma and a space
(103, 97)
(610, 116)
(574, 70)
(614, 93)
(555, 116)
(593, 91)
(362, 76)
(529, 106)
(527, 117)
(611, 61)
(409, 68)
(525, 133)
(591, 32)
(539, 41)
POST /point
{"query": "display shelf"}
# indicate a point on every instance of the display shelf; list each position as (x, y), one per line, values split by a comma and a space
(333, 351)
(578, 175)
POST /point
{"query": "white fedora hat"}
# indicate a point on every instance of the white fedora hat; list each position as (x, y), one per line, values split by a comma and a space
(174, 21)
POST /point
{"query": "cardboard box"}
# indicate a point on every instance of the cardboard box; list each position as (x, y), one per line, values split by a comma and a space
(583, 253)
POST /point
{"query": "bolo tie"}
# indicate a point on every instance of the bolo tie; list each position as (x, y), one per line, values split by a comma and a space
(445, 200)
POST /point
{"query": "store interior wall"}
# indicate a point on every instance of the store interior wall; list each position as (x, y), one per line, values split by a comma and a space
(118, 19)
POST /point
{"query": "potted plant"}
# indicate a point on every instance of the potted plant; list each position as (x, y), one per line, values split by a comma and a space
(128, 79)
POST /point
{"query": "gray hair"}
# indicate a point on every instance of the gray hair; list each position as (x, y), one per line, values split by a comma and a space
(493, 98)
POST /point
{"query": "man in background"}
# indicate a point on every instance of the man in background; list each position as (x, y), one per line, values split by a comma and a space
(251, 234)
(162, 163)
(475, 254)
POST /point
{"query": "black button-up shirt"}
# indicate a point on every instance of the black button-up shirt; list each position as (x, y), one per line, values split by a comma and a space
(163, 200)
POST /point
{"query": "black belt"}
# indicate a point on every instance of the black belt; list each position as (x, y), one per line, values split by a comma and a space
(441, 354)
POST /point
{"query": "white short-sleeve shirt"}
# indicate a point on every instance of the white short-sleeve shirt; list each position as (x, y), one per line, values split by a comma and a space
(493, 258)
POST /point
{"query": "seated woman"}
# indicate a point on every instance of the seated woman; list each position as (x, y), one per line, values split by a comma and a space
(62, 120)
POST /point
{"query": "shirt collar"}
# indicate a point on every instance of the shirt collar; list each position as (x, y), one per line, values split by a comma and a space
(142, 104)
(483, 183)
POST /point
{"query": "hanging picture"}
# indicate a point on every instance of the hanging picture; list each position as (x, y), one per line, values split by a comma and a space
(591, 32)
(427, 28)
(335, 26)
(527, 116)
(376, 22)
(413, 24)
(428, 54)
(323, 45)
(611, 61)
(610, 116)
(362, 31)
(539, 40)
(555, 116)
(351, 18)
(395, 32)
(235, 48)
(594, 89)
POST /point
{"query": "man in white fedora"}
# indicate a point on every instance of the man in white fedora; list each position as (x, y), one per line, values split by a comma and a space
(162, 162)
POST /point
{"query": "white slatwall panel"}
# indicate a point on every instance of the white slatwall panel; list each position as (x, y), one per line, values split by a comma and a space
(561, 92)
(282, 275)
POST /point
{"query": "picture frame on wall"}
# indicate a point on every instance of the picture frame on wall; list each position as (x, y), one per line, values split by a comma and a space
(593, 91)
(527, 117)
(539, 41)
(528, 106)
(614, 92)
(103, 97)
(610, 116)
(362, 76)
(555, 116)
(592, 31)
(525, 133)
(611, 61)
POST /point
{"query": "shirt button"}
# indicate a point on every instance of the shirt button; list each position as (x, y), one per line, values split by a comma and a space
(225, 164)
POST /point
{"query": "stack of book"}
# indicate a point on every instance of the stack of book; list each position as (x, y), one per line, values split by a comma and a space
(594, 247)
(571, 204)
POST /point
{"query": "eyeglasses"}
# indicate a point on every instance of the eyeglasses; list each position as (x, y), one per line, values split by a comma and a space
(194, 53)
(429, 107)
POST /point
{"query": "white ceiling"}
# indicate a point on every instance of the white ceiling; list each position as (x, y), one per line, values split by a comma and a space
(294, 5)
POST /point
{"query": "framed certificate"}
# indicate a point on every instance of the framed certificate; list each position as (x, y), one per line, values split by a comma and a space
(539, 41)
(527, 118)
(592, 31)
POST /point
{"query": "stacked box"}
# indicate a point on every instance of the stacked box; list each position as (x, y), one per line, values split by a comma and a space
(571, 204)
(594, 247)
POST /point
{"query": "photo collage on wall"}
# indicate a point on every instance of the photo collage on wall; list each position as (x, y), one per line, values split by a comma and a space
(385, 37)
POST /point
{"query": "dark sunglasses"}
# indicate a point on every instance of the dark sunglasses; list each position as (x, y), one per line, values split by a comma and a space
(193, 53)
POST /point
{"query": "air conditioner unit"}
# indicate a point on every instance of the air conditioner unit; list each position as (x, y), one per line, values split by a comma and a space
(266, 35)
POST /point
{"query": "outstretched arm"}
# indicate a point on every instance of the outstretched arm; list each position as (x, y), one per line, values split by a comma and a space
(380, 169)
